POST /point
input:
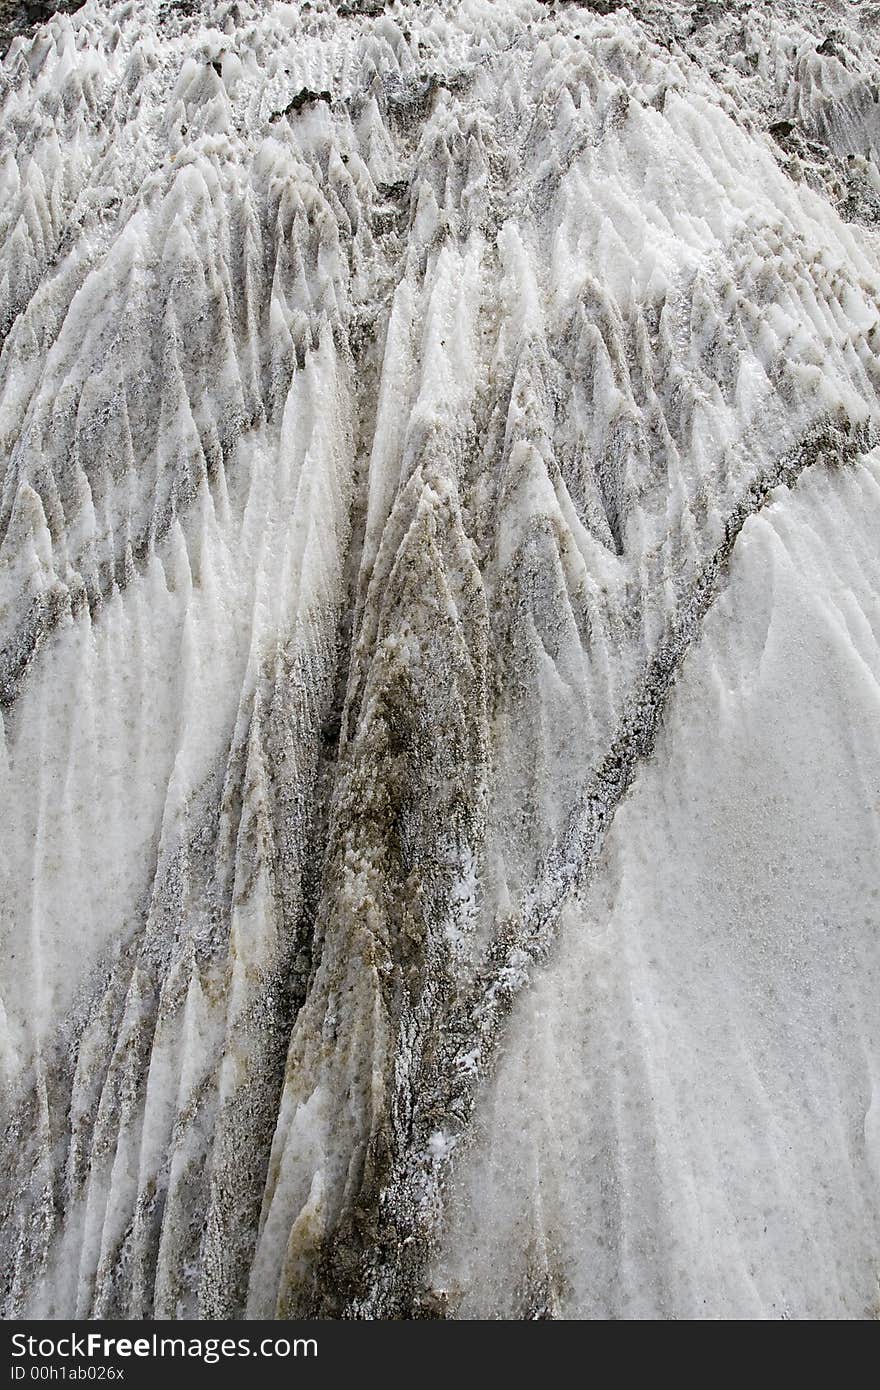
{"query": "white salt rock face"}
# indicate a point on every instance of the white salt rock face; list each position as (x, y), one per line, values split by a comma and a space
(683, 1120)
(386, 397)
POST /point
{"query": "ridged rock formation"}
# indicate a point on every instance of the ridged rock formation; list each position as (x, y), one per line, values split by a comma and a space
(440, 660)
